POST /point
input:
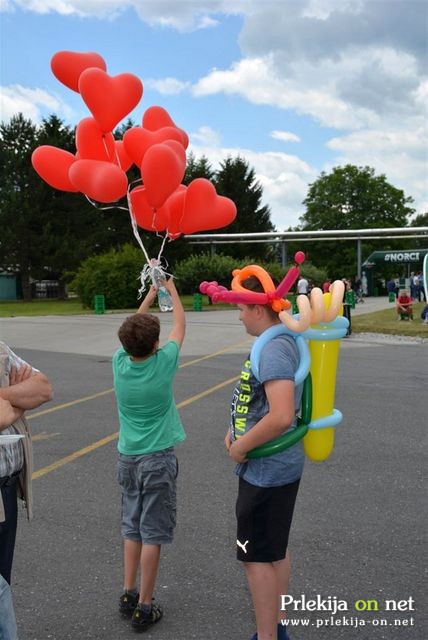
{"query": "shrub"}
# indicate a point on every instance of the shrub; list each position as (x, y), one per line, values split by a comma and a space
(197, 268)
(114, 274)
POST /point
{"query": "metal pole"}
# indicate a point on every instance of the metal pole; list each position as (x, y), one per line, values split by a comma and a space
(283, 254)
(212, 249)
(359, 258)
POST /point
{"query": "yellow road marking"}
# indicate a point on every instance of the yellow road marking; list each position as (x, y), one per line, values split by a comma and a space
(107, 391)
(216, 353)
(113, 436)
(44, 436)
(69, 404)
(73, 456)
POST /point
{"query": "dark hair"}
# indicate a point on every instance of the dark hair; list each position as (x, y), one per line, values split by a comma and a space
(139, 334)
(253, 284)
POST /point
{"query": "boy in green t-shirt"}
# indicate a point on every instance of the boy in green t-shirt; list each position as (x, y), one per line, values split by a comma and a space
(150, 426)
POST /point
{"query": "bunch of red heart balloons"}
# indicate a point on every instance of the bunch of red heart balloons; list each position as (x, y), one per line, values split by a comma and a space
(158, 148)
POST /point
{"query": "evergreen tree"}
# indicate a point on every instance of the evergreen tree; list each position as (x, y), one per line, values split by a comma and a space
(237, 180)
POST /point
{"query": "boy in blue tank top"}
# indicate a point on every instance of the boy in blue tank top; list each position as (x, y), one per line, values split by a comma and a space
(150, 427)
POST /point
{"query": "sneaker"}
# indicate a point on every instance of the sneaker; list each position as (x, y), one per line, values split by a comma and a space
(141, 620)
(127, 603)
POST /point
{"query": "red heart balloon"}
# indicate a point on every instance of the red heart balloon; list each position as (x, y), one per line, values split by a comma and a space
(52, 164)
(178, 149)
(146, 216)
(175, 207)
(204, 209)
(92, 143)
(137, 140)
(67, 66)
(100, 181)
(155, 118)
(109, 98)
(162, 170)
(201, 197)
(224, 214)
(122, 157)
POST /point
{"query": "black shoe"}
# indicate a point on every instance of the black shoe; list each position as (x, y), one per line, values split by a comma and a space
(141, 620)
(127, 604)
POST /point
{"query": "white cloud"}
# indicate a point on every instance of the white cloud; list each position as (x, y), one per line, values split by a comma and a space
(183, 16)
(285, 136)
(400, 154)
(206, 137)
(322, 9)
(81, 8)
(257, 81)
(284, 177)
(30, 102)
(168, 86)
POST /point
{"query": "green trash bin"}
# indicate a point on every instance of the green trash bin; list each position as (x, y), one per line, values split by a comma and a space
(99, 303)
(391, 296)
(294, 307)
(197, 302)
(350, 298)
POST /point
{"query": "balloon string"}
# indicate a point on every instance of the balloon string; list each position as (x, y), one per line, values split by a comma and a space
(162, 247)
(135, 228)
(97, 206)
(106, 149)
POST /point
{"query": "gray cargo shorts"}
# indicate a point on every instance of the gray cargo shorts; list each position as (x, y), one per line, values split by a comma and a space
(149, 496)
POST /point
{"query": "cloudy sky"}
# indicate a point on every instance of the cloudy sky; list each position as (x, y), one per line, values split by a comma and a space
(294, 86)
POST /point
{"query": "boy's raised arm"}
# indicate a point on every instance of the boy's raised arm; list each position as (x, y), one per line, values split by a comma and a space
(178, 317)
(148, 300)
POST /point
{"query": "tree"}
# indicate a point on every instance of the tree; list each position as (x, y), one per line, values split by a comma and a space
(45, 232)
(236, 180)
(351, 197)
(197, 168)
(18, 189)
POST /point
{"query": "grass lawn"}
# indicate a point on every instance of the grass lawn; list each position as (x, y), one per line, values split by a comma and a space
(386, 322)
(377, 322)
(10, 309)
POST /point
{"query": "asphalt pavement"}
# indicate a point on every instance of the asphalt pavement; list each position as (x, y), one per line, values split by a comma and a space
(359, 530)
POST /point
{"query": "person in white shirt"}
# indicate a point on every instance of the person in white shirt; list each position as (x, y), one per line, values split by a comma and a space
(302, 286)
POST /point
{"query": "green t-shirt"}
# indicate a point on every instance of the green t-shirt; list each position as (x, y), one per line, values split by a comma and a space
(149, 420)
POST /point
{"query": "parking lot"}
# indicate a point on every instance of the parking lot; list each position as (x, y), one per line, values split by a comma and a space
(360, 520)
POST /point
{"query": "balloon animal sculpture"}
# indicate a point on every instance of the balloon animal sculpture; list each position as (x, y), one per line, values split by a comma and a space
(317, 329)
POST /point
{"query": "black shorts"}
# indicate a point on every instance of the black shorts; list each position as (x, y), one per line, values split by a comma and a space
(264, 516)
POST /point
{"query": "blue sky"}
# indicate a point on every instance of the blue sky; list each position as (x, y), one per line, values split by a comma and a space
(294, 86)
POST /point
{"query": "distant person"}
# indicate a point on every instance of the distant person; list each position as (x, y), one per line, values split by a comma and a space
(358, 289)
(364, 285)
(424, 314)
(150, 427)
(391, 286)
(420, 291)
(302, 286)
(326, 285)
(404, 305)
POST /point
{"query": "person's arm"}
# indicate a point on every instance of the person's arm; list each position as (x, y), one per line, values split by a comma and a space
(8, 413)
(27, 392)
(280, 396)
(148, 300)
(178, 317)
